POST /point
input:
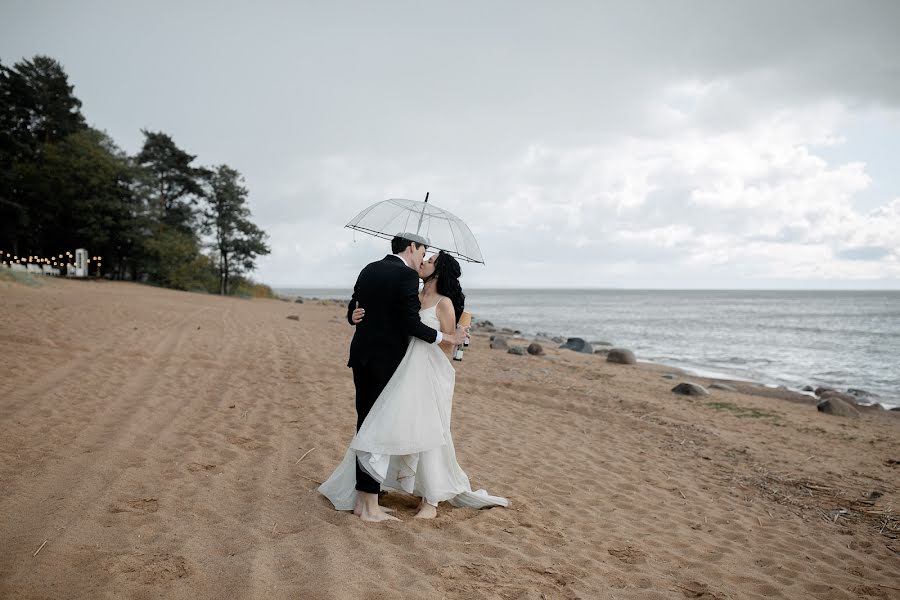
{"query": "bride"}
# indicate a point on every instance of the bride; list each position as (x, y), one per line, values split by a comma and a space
(404, 442)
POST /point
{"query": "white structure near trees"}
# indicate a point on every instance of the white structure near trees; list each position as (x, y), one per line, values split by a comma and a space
(53, 266)
(81, 262)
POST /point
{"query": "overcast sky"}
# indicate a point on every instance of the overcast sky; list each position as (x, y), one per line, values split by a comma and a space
(596, 144)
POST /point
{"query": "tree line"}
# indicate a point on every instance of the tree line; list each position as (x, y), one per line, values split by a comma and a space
(156, 217)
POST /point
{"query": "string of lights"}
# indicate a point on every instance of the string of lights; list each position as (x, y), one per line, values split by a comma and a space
(67, 260)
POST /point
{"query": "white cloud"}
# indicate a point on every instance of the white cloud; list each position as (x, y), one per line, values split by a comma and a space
(743, 207)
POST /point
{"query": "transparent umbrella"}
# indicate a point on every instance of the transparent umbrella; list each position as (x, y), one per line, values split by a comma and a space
(444, 230)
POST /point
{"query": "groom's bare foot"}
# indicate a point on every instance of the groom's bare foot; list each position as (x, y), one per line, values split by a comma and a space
(357, 510)
(367, 509)
(376, 516)
(426, 511)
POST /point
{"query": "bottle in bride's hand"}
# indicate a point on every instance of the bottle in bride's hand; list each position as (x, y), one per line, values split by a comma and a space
(465, 320)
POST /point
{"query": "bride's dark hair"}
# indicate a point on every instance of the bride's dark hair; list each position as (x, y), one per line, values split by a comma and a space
(447, 271)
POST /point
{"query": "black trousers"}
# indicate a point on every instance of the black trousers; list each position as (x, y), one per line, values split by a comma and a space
(369, 380)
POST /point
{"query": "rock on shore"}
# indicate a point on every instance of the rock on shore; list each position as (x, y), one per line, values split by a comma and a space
(577, 345)
(622, 356)
(690, 389)
(535, 349)
(837, 407)
(848, 398)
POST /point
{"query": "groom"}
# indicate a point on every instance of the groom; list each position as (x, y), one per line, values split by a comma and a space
(387, 291)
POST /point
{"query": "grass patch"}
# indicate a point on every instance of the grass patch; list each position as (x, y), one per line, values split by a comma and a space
(743, 412)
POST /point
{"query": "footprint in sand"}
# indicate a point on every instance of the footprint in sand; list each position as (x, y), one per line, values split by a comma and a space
(701, 591)
(244, 442)
(200, 467)
(628, 554)
(149, 568)
(140, 505)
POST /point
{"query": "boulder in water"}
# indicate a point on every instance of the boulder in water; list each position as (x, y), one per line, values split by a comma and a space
(821, 390)
(861, 393)
(837, 407)
(808, 388)
(690, 389)
(622, 356)
(577, 345)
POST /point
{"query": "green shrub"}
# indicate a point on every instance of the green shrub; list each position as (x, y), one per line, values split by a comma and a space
(245, 287)
(178, 263)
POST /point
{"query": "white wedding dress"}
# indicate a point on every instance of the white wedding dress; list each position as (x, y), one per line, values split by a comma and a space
(405, 443)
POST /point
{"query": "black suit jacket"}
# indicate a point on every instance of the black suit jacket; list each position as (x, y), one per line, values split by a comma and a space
(389, 292)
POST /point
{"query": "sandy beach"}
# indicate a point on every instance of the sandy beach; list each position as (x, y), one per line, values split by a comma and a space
(161, 444)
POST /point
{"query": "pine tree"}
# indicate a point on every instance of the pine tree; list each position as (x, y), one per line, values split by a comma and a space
(175, 186)
(237, 242)
(37, 107)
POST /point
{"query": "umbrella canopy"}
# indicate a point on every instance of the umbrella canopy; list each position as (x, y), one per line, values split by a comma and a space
(444, 230)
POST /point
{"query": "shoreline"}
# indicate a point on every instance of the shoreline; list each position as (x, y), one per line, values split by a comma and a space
(868, 401)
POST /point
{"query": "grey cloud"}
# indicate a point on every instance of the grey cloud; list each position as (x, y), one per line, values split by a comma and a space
(428, 80)
(864, 253)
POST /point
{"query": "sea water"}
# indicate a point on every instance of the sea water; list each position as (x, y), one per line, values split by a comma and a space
(840, 339)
